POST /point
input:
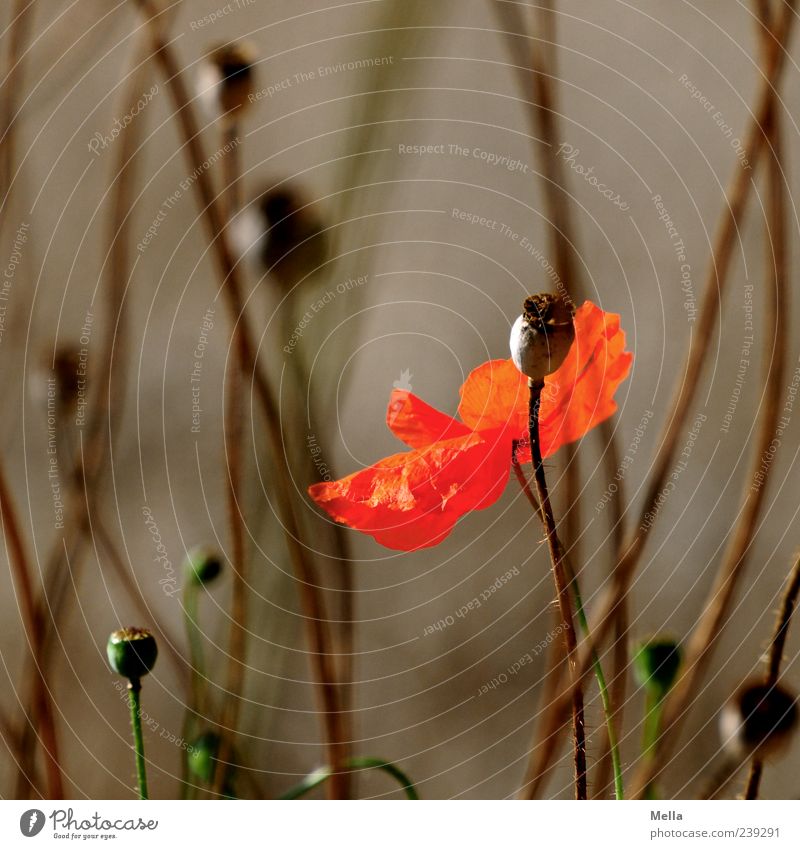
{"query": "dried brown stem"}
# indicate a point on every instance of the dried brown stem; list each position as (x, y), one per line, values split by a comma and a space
(716, 611)
(685, 391)
(315, 622)
(234, 435)
(43, 716)
(776, 203)
(84, 483)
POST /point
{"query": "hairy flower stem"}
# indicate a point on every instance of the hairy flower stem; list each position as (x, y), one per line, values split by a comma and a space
(562, 588)
(134, 691)
(605, 697)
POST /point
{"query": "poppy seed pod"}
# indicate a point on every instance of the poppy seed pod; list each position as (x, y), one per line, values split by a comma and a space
(656, 664)
(132, 652)
(758, 716)
(225, 79)
(281, 233)
(542, 336)
(202, 565)
(296, 245)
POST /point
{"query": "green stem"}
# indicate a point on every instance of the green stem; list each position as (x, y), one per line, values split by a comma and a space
(134, 689)
(196, 674)
(319, 776)
(651, 733)
(190, 613)
(605, 698)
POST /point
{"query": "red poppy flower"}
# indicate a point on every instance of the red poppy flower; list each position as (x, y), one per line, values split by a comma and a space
(413, 500)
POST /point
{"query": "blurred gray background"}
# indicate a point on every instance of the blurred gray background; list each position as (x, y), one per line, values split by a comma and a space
(439, 299)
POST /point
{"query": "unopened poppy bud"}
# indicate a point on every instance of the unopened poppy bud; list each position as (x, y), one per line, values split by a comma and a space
(132, 652)
(758, 716)
(656, 663)
(542, 336)
(225, 79)
(203, 756)
(202, 565)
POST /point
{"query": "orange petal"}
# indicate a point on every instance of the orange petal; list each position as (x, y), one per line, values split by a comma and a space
(580, 394)
(417, 423)
(413, 500)
(495, 395)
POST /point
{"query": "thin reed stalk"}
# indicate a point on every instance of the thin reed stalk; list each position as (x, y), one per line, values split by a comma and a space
(310, 595)
(685, 390)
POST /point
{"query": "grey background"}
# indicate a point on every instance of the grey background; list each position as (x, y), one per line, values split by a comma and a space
(439, 300)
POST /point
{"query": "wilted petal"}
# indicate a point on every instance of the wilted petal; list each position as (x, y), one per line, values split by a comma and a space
(495, 395)
(580, 394)
(417, 423)
(413, 500)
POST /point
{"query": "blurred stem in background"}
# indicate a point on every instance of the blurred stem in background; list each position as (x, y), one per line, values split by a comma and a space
(39, 707)
(63, 562)
(231, 285)
(776, 265)
(718, 602)
(534, 55)
(201, 567)
(656, 664)
(18, 32)
(546, 745)
(234, 436)
(42, 718)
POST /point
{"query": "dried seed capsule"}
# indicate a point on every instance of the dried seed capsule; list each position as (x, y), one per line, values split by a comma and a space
(280, 233)
(542, 336)
(202, 565)
(132, 652)
(225, 79)
(760, 717)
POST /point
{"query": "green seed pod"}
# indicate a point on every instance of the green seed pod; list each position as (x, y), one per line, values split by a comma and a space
(656, 664)
(203, 756)
(202, 565)
(542, 336)
(132, 652)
